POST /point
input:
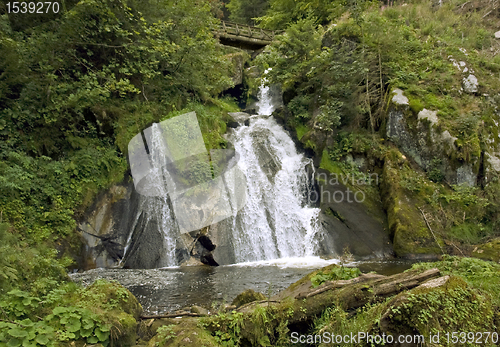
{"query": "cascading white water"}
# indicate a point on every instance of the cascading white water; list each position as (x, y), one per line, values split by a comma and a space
(155, 210)
(275, 222)
(265, 105)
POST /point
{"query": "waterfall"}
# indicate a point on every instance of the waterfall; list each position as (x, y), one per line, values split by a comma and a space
(154, 213)
(276, 221)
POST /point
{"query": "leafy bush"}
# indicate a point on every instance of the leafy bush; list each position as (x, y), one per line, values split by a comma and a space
(64, 323)
(67, 313)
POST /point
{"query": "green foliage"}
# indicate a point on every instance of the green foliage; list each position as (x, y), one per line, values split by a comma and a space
(245, 11)
(62, 324)
(322, 67)
(165, 333)
(343, 146)
(284, 12)
(335, 274)
(264, 326)
(226, 328)
(434, 171)
(335, 320)
(66, 313)
(8, 272)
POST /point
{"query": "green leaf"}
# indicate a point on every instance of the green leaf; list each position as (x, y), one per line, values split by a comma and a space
(74, 325)
(86, 332)
(105, 328)
(87, 323)
(101, 335)
(17, 332)
(92, 339)
(59, 310)
(42, 339)
(14, 343)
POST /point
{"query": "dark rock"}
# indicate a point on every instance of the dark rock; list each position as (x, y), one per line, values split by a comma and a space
(239, 117)
(247, 122)
(251, 110)
(348, 223)
(208, 259)
(206, 243)
(233, 124)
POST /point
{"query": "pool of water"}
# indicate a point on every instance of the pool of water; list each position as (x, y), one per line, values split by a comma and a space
(165, 290)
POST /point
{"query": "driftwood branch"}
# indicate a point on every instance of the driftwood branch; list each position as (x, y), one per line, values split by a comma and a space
(355, 295)
(171, 315)
(465, 3)
(486, 15)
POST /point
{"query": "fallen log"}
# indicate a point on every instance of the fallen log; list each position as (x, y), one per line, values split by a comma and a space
(356, 293)
(329, 285)
(300, 311)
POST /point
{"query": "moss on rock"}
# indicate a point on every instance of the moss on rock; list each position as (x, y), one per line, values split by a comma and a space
(449, 305)
(117, 306)
(247, 296)
(181, 332)
(488, 251)
(407, 228)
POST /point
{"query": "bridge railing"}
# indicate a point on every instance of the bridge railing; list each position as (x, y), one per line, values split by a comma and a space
(246, 31)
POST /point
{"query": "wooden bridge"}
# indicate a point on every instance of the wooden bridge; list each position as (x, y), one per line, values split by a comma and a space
(244, 36)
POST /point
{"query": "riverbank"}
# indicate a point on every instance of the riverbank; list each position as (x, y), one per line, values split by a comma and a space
(464, 291)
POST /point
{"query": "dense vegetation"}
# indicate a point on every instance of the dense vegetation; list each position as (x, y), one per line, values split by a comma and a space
(74, 89)
(77, 86)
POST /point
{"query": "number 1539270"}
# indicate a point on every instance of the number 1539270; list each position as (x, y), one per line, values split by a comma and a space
(32, 7)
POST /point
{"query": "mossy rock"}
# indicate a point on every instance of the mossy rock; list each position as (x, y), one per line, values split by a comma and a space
(125, 327)
(488, 251)
(247, 296)
(117, 306)
(115, 295)
(407, 228)
(182, 332)
(448, 306)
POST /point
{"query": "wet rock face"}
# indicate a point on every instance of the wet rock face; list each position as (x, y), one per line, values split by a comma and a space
(103, 228)
(347, 223)
(265, 155)
(118, 232)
